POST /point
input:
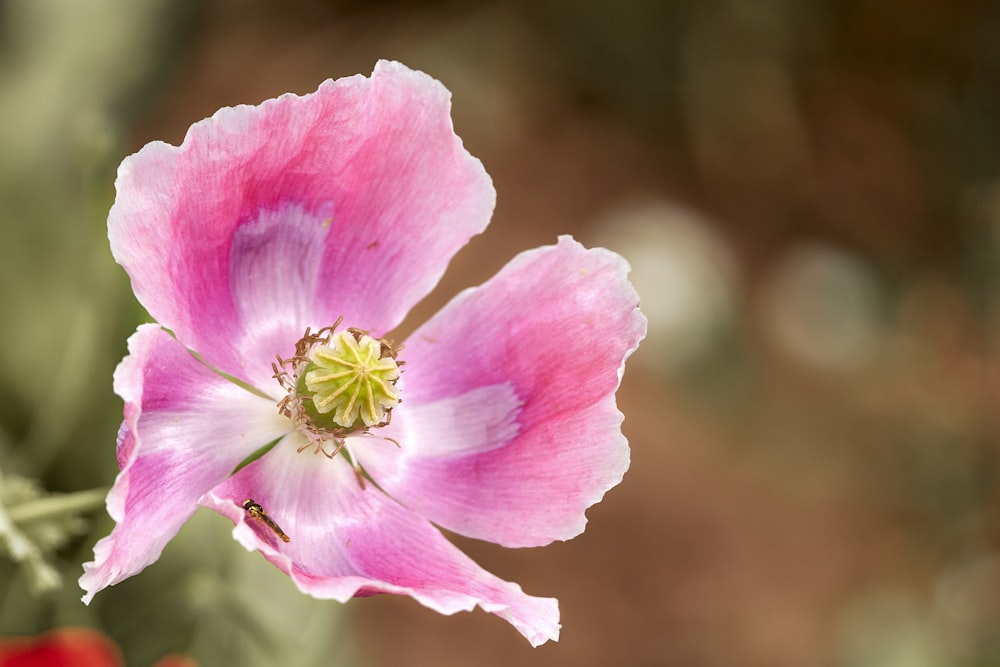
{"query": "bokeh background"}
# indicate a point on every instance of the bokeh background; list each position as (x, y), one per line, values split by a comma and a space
(809, 195)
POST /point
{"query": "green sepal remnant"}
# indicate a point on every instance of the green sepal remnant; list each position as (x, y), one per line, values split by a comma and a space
(254, 456)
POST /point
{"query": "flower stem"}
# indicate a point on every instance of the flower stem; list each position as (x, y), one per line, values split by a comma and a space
(70, 503)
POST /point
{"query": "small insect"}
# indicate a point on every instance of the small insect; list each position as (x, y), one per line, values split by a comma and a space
(257, 512)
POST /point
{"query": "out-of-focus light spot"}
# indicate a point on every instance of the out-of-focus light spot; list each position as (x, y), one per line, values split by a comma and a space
(955, 626)
(888, 629)
(685, 275)
(967, 606)
(820, 305)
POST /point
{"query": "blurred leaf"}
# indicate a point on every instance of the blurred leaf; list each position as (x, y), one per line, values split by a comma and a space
(30, 548)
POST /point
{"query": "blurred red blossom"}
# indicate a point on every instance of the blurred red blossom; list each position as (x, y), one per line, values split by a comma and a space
(72, 647)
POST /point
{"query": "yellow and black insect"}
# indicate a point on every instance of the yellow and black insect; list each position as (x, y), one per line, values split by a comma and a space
(257, 512)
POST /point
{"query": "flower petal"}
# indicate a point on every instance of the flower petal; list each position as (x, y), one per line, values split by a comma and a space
(186, 428)
(347, 202)
(347, 541)
(546, 339)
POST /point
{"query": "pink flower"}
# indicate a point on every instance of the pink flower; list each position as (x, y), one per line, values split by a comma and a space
(342, 208)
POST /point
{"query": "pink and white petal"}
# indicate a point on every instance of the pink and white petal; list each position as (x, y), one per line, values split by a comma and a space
(547, 339)
(346, 541)
(186, 428)
(349, 201)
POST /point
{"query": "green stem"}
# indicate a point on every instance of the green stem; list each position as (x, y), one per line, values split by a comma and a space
(70, 503)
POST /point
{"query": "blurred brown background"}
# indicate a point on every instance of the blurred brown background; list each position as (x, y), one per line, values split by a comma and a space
(809, 196)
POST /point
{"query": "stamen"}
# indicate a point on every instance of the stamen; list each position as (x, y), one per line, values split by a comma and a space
(339, 385)
(320, 447)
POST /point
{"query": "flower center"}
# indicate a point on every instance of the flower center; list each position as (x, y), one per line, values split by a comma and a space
(350, 381)
(339, 384)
